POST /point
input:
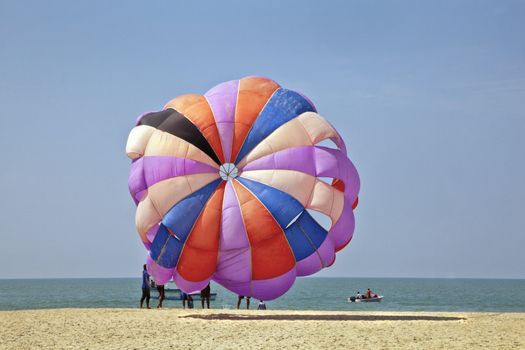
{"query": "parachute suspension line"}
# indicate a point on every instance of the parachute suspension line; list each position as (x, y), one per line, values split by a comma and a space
(163, 249)
(312, 243)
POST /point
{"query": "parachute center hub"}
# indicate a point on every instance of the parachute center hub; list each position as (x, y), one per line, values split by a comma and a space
(228, 171)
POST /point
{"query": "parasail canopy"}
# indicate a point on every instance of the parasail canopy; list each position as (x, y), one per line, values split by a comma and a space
(225, 184)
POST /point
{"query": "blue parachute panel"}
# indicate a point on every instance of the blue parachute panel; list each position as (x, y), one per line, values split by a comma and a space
(305, 236)
(283, 207)
(283, 106)
(166, 247)
(181, 217)
(303, 233)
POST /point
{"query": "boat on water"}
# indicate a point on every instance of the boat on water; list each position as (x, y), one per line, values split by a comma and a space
(374, 299)
(176, 294)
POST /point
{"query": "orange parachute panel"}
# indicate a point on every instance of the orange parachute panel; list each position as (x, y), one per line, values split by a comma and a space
(253, 94)
(271, 253)
(199, 256)
(198, 111)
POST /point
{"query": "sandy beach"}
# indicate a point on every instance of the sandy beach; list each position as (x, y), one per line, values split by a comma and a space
(232, 329)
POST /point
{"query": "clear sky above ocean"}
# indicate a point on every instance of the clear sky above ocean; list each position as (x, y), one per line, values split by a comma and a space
(429, 96)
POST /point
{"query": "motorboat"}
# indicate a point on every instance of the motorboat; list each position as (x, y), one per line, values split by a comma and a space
(361, 299)
(176, 293)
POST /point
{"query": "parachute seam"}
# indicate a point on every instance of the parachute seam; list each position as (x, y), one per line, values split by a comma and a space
(327, 231)
(312, 243)
(305, 130)
(294, 119)
(188, 182)
(206, 128)
(307, 205)
(147, 187)
(220, 232)
(193, 226)
(163, 249)
(188, 144)
(247, 236)
(333, 198)
(216, 126)
(169, 230)
(253, 123)
(193, 123)
(200, 131)
(235, 121)
(277, 222)
(181, 175)
(154, 207)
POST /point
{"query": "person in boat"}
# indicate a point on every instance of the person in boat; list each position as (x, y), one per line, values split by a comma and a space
(370, 294)
(205, 296)
(145, 288)
(358, 296)
(262, 305)
(160, 289)
(239, 299)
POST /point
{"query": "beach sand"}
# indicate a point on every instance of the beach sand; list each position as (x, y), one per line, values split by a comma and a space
(233, 329)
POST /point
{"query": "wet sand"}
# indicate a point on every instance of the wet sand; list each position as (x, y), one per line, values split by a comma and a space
(233, 329)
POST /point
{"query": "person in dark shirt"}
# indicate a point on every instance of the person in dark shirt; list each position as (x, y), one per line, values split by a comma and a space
(145, 288)
(205, 296)
(262, 305)
(184, 298)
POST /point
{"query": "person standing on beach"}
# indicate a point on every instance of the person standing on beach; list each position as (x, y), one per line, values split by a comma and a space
(239, 299)
(205, 296)
(160, 289)
(145, 288)
(184, 298)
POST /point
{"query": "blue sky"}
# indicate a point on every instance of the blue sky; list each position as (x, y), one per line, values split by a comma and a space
(429, 97)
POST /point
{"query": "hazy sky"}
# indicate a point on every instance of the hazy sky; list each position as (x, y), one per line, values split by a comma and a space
(429, 97)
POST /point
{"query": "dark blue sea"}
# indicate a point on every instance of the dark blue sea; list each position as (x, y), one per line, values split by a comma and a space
(400, 294)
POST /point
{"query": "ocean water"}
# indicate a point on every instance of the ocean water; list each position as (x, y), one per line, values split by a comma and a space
(400, 294)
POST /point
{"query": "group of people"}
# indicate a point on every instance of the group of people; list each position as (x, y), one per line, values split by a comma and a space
(146, 287)
(187, 299)
(261, 306)
(147, 284)
(369, 294)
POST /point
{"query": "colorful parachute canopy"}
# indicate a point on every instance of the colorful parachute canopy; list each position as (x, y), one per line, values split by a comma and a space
(224, 183)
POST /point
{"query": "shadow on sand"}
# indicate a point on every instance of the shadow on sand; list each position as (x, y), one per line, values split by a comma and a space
(336, 317)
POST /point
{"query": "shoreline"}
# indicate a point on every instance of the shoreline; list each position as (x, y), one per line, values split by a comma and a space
(123, 328)
(254, 309)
